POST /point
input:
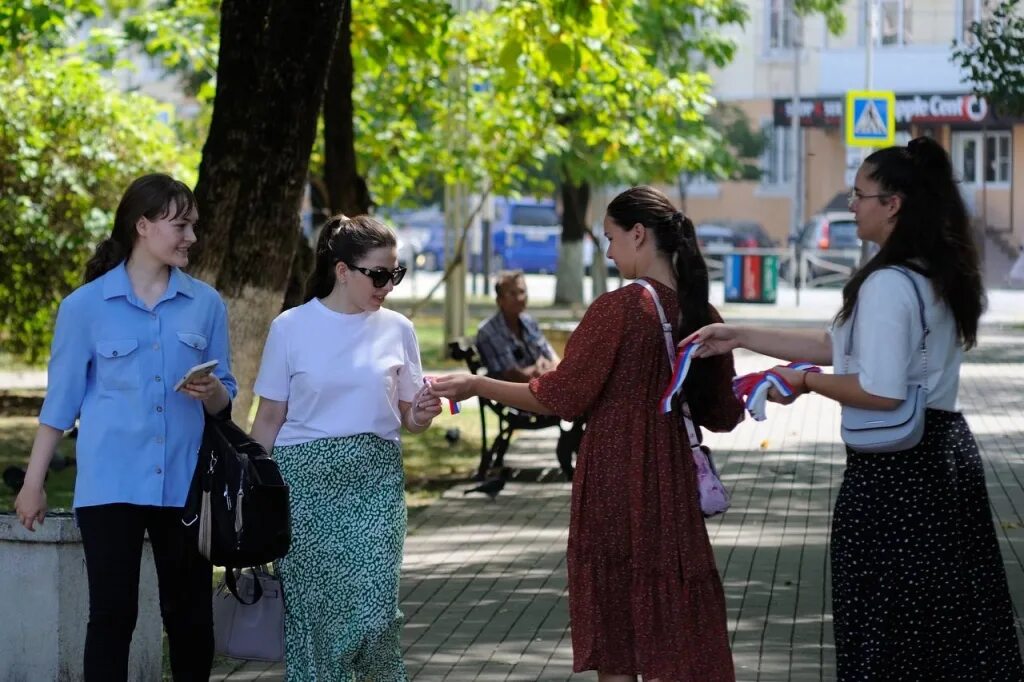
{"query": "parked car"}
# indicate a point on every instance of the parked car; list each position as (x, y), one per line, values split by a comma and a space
(834, 231)
(735, 233)
(831, 230)
(419, 231)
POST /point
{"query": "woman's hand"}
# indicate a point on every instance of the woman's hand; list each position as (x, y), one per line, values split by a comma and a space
(714, 339)
(30, 505)
(797, 379)
(203, 388)
(425, 407)
(454, 386)
(208, 389)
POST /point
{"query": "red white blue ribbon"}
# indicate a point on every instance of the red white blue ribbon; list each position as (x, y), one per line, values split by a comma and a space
(754, 387)
(682, 365)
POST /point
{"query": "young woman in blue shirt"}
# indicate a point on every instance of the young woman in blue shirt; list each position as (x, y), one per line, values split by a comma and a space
(121, 343)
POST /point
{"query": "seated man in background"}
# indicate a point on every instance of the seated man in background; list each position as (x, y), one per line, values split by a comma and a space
(513, 348)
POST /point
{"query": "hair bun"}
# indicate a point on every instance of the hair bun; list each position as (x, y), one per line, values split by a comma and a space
(925, 150)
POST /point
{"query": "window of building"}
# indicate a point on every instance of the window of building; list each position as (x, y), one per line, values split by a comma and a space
(893, 19)
(969, 11)
(780, 25)
(997, 157)
(777, 161)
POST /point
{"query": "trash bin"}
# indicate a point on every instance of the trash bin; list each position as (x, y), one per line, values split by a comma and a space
(751, 278)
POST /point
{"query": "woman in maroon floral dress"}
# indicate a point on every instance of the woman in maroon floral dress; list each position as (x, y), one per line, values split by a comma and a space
(645, 597)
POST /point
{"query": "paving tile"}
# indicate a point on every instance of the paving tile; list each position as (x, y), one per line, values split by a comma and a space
(484, 585)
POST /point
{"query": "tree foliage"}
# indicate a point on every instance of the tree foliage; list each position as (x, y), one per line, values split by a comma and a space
(993, 58)
(43, 24)
(71, 142)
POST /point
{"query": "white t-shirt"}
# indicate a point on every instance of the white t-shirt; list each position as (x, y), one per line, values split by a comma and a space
(887, 347)
(341, 375)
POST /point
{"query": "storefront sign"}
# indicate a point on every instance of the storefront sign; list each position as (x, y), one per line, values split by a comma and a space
(827, 112)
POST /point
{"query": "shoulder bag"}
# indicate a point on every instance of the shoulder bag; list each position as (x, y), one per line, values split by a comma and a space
(888, 430)
(248, 615)
(237, 506)
(714, 498)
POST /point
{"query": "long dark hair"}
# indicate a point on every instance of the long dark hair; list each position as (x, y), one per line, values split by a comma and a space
(150, 196)
(344, 239)
(675, 236)
(931, 228)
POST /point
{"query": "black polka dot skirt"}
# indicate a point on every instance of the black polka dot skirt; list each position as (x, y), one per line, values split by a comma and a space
(918, 586)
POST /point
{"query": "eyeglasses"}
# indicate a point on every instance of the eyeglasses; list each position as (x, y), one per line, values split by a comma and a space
(854, 195)
(379, 277)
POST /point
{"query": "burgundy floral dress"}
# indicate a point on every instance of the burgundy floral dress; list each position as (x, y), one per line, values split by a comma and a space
(644, 594)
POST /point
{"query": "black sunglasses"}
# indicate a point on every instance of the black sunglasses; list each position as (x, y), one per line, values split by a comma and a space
(379, 276)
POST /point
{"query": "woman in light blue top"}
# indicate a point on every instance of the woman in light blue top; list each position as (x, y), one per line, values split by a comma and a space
(121, 343)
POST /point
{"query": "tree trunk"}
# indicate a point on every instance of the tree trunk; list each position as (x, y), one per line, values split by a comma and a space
(346, 190)
(569, 280)
(271, 74)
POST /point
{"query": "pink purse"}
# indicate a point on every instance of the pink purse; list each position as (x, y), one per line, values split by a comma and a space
(714, 498)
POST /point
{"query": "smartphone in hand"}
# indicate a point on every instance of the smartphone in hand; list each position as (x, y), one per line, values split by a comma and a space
(196, 372)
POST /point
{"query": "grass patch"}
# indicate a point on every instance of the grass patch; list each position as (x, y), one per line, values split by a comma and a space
(16, 435)
(430, 333)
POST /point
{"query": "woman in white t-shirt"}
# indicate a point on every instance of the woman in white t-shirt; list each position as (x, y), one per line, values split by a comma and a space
(339, 378)
(918, 586)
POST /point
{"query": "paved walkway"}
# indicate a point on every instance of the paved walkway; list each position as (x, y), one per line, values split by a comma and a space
(484, 588)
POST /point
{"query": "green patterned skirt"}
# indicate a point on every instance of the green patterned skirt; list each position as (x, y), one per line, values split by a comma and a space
(340, 577)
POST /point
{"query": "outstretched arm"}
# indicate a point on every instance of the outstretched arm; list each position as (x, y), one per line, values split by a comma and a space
(793, 345)
(462, 386)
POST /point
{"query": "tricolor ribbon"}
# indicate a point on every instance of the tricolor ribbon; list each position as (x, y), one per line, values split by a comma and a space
(682, 365)
(754, 387)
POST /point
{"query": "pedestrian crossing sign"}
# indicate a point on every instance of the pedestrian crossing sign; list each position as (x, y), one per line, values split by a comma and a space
(870, 118)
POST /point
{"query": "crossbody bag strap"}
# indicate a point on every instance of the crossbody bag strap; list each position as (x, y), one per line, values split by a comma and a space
(925, 331)
(666, 328)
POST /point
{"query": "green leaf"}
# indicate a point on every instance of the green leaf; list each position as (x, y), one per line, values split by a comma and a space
(510, 54)
(559, 56)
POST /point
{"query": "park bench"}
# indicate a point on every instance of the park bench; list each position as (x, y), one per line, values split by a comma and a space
(510, 419)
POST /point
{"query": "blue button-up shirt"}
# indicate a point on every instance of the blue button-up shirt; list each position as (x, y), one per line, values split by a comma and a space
(113, 365)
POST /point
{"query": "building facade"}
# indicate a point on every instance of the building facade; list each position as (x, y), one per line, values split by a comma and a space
(912, 56)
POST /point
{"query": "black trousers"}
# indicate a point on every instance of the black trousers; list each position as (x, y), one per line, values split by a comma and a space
(112, 535)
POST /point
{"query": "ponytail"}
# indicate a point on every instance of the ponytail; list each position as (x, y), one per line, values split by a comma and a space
(321, 281)
(108, 256)
(691, 278)
(344, 239)
(694, 307)
(931, 233)
(676, 237)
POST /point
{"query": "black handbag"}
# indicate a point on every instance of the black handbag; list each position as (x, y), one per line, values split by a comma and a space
(237, 506)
